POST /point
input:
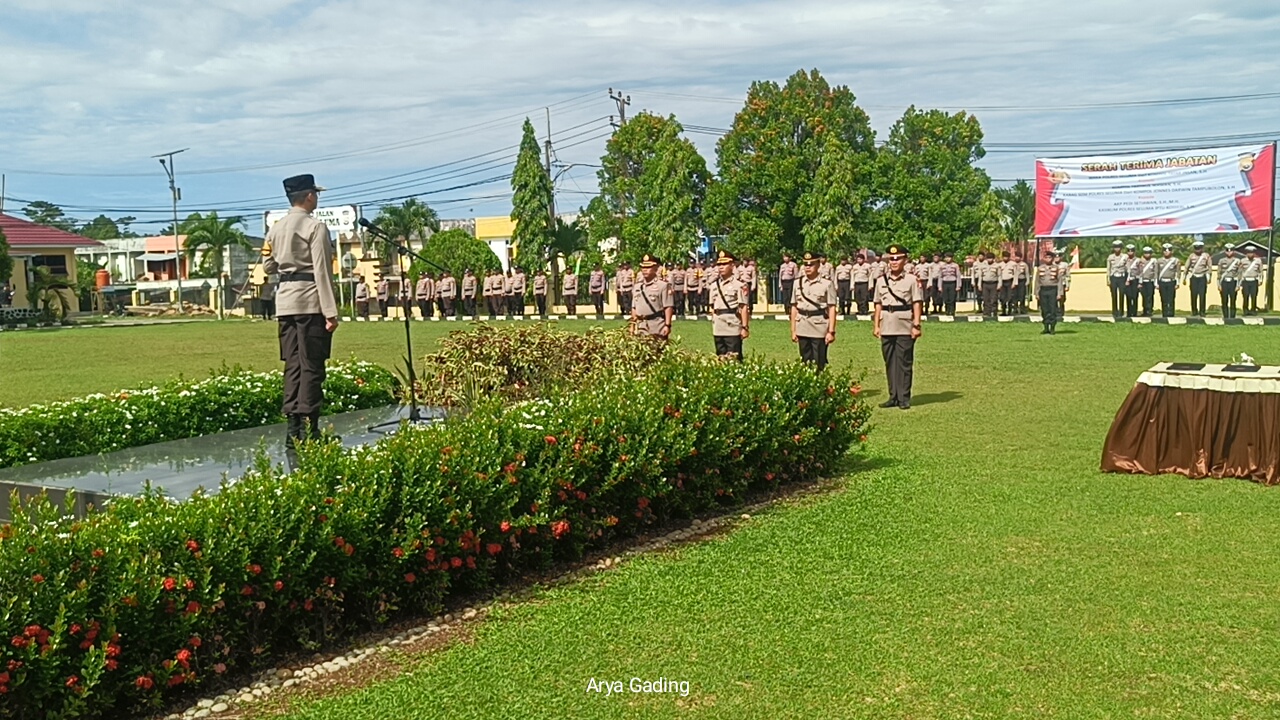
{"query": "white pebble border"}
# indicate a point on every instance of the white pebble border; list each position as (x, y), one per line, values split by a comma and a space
(270, 681)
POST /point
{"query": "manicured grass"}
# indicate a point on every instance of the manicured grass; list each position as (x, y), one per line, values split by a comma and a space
(979, 565)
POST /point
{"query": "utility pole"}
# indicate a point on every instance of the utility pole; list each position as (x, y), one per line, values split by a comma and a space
(622, 102)
(547, 146)
(177, 194)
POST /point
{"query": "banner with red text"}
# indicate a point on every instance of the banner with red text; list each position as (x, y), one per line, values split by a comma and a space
(1227, 189)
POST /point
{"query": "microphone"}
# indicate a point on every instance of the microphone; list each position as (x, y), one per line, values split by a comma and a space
(372, 227)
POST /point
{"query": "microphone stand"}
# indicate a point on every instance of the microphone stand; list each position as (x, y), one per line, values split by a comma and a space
(415, 415)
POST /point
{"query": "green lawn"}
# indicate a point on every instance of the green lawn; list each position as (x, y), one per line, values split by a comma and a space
(979, 565)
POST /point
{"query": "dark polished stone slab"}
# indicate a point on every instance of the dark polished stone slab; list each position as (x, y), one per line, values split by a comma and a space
(181, 467)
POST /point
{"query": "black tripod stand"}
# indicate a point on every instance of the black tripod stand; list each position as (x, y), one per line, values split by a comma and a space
(415, 414)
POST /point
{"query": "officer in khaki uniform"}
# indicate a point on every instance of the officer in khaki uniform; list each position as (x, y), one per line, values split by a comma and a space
(1250, 276)
(813, 313)
(1199, 269)
(1167, 280)
(899, 305)
(624, 282)
(652, 302)
(1228, 280)
(518, 284)
(469, 293)
(422, 293)
(299, 249)
(730, 315)
(540, 292)
(1050, 288)
(569, 288)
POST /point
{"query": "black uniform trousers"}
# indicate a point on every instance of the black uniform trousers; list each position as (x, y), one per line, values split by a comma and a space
(383, 304)
(1116, 283)
(1148, 289)
(541, 302)
(729, 345)
(1168, 296)
(786, 286)
(862, 295)
(1049, 307)
(448, 307)
(424, 308)
(990, 298)
(469, 306)
(1250, 290)
(1006, 297)
(677, 302)
(597, 298)
(1199, 295)
(949, 291)
(304, 346)
(624, 302)
(362, 309)
(1227, 291)
(1131, 298)
(844, 292)
(1019, 297)
(813, 350)
(899, 353)
(571, 304)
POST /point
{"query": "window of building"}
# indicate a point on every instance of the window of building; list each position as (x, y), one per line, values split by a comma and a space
(57, 264)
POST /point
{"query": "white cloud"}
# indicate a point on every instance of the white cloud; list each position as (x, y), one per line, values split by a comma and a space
(100, 85)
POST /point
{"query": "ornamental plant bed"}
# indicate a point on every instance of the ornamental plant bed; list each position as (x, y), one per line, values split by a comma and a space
(231, 399)
(147, 599)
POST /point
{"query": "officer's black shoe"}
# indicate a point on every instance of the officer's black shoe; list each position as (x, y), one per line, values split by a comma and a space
(904, 406)
(296, 431)
(889, 404)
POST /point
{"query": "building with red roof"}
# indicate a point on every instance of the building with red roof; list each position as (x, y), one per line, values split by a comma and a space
(32, 245)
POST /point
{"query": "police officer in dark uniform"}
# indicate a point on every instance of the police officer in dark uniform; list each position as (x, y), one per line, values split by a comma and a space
(299, 249)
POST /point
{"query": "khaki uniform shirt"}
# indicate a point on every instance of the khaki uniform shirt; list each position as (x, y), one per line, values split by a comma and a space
(693, 280)
(649, 301)
(826, 270)
(934, 272)
(907, 289)
(1167, 269)
(948, 272)
(1198, 265)
(624, 281)
(1050, 275)
(518, 284)
(508, 285)
(447, 288)
(787, 271)
(595, 283)
(539, 284)
(384, 290)
(812, 298)
(423, 291)
(362, 291)
(1020, 272)
(301, 244)
(676, 278)
(878, 270)
(1252, 269)
(570, 284)
(1008, 271)
(468, 286)
(861, 273)
(1228, 269)
(1148, 270)
(1133, 270)
(1117, 264)
(844, 271)
(987, 271)
(726, 297)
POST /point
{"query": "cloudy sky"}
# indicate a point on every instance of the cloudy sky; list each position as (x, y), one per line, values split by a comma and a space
(388, 98)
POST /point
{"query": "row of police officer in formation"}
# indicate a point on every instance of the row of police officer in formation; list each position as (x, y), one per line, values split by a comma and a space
(1132, 278)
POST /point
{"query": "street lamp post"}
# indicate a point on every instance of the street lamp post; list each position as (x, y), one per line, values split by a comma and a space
(176, 194)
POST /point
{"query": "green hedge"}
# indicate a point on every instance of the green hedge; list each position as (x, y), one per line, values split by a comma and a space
(231, 399)
(117, 612)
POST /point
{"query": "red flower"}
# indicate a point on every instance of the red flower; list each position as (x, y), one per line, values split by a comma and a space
(339, 541)
(505, 526)
(410, 578)
(611, 520)
(14, 665)
(19, 641)
(322, 518)
(862, 438)
(72, 681)
(328, 501)
(279, 585)
(307, 606)
(254, 569)
(113, 650)
(246, 590)
(112, 665)
(176, 680)
(349, 549)
(75, 628)
(431, 554)
(189, 584)
(31, 631)
(471, 562)
(551, 439)
(170, 584)
(494, 548)
(144, 682)
(855, 389)
(193, 607)
(195, 641)
(4, 678)
(98, 553)
(220, 668)
(398, 552)
(559, 528)
(184, 656)
(456, 562)
(37, 578)
(193, 546)
(642, 502)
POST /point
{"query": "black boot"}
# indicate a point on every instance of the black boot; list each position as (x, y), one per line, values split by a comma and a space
(313, 426)
(295, 432)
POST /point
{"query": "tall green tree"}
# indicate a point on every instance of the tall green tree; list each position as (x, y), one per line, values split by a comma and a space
(531, 203)
(653, 185)
(6, 260)
(837, 210)
(456, 250)
(933, 199)
(46, 213)
(101, 228)
(211, 237)
(770, 158)
(184, 226)
(411, 218)
(1017, 210)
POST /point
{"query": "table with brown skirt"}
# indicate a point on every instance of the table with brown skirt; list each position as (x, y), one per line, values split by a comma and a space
(1201, 421)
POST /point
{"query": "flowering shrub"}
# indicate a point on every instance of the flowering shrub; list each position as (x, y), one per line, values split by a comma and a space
(522, 361)
(229, 400)
(115, 612)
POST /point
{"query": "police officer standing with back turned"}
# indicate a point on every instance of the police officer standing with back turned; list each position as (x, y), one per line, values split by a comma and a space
(1250, 275)
(301, 252)
(1147, 281)
(540, 291)
(899, 304)
(1117, 273)
(1167, 280)
(1228, 281)
(730, 315)
(469, 294)
(1199, 268)
(813, 314)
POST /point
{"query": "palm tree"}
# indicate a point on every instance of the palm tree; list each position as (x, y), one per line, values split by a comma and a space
(45, 290)
(567, 239)
(1018, 211)
(211, 237)
(410, 218)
